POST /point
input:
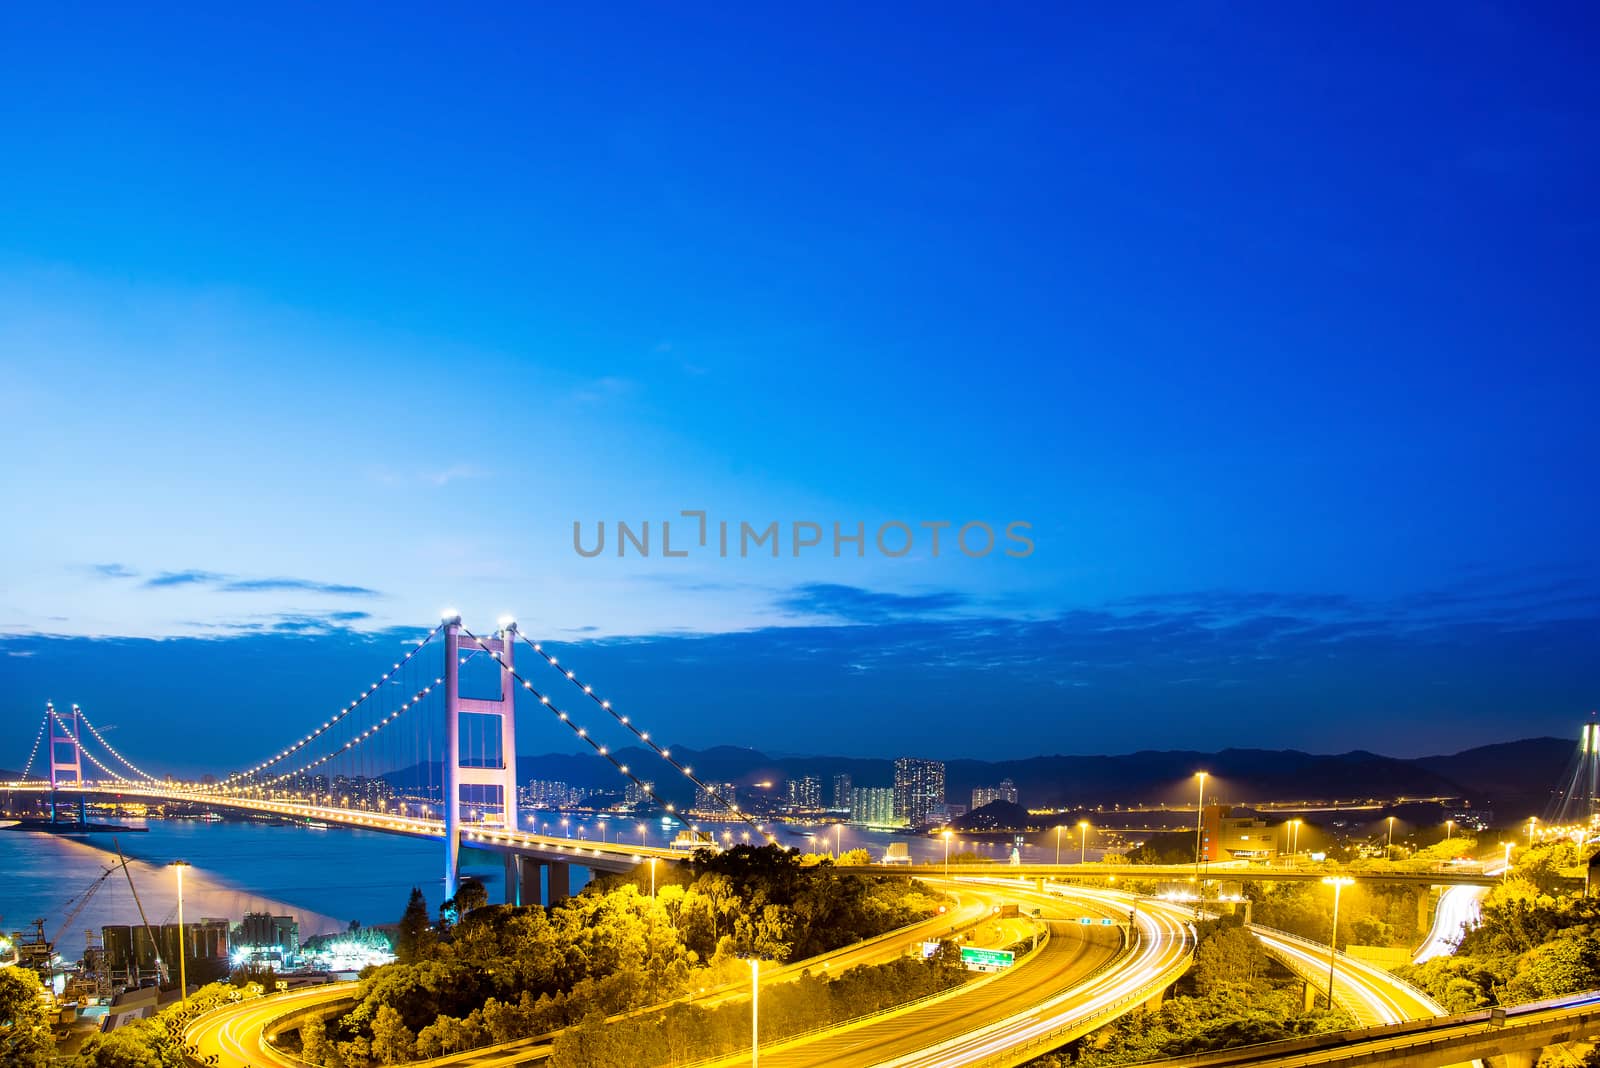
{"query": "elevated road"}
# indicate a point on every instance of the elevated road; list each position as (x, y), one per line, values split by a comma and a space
(1369, 994)
(1183, 873)
(1458, 906)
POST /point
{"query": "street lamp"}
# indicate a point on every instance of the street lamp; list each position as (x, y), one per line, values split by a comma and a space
(1199, 821)
(1338, 882)
(641, 835)
(564, 828)
(1532, 821)
(183, 979)
(1449, 828)
(1058, 843)
(837, 827)
(947, 833)
(1294, 839)
(652, 880)
(755, 1013)
(1388, 845)
(1083, 841)
(1505, 872)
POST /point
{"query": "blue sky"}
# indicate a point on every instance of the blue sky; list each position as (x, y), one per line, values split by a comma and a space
(1277, 327)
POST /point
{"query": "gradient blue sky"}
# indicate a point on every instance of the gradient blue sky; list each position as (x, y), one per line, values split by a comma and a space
(1278, 326)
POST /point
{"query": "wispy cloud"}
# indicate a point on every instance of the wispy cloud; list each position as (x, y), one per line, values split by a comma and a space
(857, 605)
(183, 578)
(233, 584)
(272, 585)
(113, 571)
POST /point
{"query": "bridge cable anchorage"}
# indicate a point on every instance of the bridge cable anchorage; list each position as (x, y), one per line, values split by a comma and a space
(644, 736)
(78, 745)
(354, 741)
(376, 687)
(44, 721)
(645, 788)
(101, 739)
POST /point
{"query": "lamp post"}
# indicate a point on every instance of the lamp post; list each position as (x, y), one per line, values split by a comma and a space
(837, 828)
(183, 979)
(1294, 840)
(1083, 841)
(641, 836)
(652, 880)
(755, 1012)
(947, 834)
(1388, 845)
(1532, 822)
(1058, 843)
(1338, 882)
(1199, 822)
(565, 827)
(1505, 872)
(1449, 828)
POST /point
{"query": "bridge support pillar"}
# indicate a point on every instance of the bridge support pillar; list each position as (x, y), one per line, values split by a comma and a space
(1155, 1000)
(501, 775)
(1424, 909)
(513, 879)
(558, 875)
(1517, 1058)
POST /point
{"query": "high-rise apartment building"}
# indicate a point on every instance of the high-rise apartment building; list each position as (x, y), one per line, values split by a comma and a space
(1006, 791)
(841, 791)
(918, 790)
(715, 797)
(805, 792)
(873, 806)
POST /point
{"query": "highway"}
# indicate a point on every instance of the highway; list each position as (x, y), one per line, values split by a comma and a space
(234, 1035)
(1080, 979)
(1458, 906)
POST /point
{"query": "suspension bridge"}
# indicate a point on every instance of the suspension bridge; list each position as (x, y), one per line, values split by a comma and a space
(427, 750)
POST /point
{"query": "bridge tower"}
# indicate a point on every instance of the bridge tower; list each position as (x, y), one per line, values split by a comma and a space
(503, 773)
(63, 733)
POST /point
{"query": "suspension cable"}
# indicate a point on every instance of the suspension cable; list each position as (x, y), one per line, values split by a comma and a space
(44, 721)
(646, 788)
(110, 749)
(85, 753)
(355, 740)
(335, 718)
(643, 736)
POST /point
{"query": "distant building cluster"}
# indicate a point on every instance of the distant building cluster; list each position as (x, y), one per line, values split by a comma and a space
(805, 794)
(918, 791)
(715, 798)
(551, 793)
(638, 793)
(1006, 791)
(841, 791)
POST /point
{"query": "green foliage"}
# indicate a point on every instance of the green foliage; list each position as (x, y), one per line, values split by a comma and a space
(472, 894)
(504, 973)
(25, 1039)
(1369, 914)
(415, 934)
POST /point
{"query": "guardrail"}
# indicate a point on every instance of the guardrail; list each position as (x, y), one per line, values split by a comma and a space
(1422, 996)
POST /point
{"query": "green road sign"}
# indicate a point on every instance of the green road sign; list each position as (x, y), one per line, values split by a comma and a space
(989, 960)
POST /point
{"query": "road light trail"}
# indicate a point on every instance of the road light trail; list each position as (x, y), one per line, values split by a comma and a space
(1458, 908)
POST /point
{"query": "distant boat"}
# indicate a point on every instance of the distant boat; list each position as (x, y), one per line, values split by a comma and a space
(317, 825)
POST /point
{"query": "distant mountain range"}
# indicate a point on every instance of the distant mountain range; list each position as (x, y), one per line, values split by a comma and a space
(1516, 778)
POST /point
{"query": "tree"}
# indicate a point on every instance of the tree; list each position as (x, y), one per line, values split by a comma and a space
(313, 1042)
(414, 928)
(25, 1039)
(471, 895)
(392, 1040)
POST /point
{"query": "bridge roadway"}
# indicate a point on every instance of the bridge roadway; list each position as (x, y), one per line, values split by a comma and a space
(1369, 994)
(602, 856)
